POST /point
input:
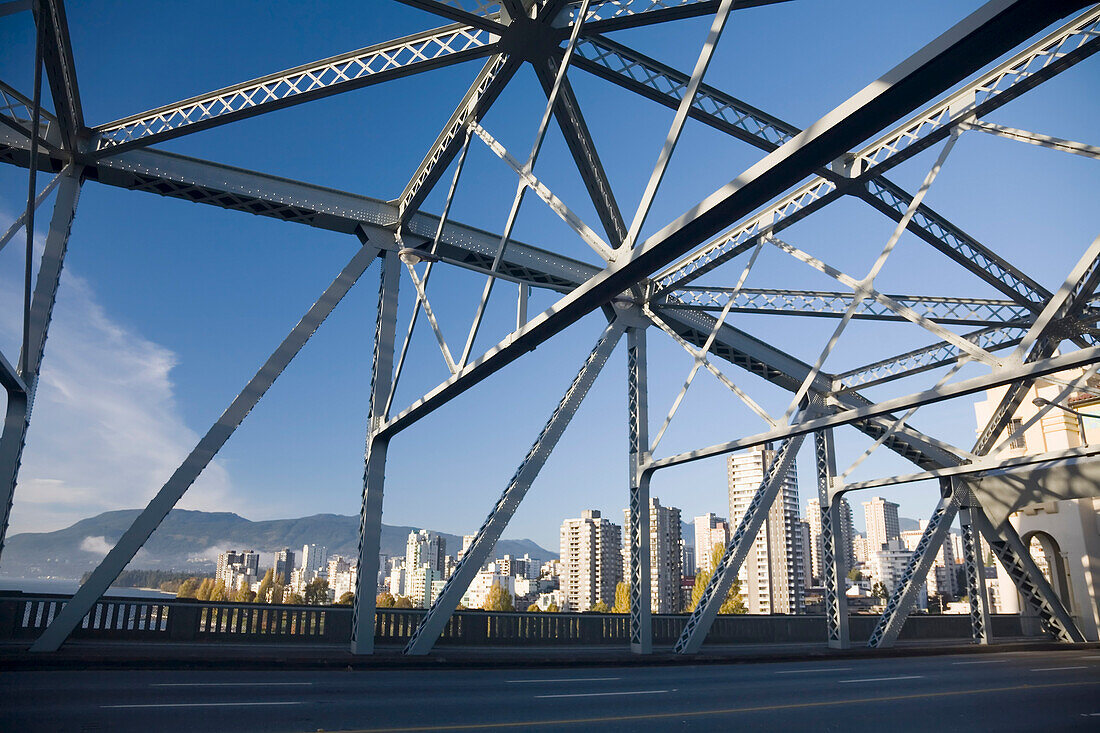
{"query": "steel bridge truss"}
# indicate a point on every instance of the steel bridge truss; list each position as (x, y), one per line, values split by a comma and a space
(642, 285)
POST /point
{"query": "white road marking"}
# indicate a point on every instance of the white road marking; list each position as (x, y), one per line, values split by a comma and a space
(985, 661)
(605, 694)
(1090, 715)
(820, 669)
(229, 684)
(568, 679)
(198, 704)
(1056, 669)
(884, 679)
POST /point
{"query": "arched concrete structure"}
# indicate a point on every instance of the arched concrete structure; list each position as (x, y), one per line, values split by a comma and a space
(1069, 532)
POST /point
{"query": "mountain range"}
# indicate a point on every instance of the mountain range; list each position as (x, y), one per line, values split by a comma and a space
(191, 540)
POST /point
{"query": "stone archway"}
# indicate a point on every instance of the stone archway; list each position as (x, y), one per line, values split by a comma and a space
(1047, 553)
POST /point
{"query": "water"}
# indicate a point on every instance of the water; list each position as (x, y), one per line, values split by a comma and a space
(69, 586)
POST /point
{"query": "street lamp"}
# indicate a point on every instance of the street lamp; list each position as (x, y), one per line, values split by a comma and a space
(1040, 402)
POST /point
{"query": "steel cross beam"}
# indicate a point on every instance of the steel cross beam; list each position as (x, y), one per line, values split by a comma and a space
(432, 625)
(57, 57)
(641, 598)
(701, 619)
(994, 338)
(583, 149)
(1071, 298)
(980, 631)
(834, 553)
(1033, 586)
(613, 15)
(665, 85)
(967, 46)
(1068, 45)
(488, 85)
(764, 360)
(904, 595)
(374, 464)
(828, 304)
(21, 400)
(383, 61)
(137, 534)
(204, 182)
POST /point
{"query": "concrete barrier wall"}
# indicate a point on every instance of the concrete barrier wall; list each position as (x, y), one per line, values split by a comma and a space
(24, 616)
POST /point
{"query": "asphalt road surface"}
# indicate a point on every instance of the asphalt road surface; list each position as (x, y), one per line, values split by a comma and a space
(1013, 691)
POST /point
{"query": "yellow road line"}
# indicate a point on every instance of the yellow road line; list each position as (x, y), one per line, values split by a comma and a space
(724, 711)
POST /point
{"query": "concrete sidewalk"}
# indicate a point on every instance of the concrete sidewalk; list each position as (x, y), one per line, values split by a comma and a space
(161, 655)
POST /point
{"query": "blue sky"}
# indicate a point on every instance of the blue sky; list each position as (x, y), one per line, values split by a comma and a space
(167, 308)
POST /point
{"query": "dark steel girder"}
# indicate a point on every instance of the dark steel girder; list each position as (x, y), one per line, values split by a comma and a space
(567, 111)
(787, 372)
(57, 57)
(203, 182)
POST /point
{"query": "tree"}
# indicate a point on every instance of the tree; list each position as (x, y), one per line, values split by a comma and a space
(402, 602)
(295, 599)
(854, 575)
(600, 607)
(219, 592)
(534, 608)
(384, 600)
(317, 592)
(244, 594)
(498, 599)
(553, 608)
(278, 592)
(733, 602)
(346, 599)
(205, 589)
(622, 598)
(188, 588)
(878, 590)
(263, 592)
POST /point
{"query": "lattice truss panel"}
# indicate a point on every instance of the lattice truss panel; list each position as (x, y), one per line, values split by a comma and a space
(640, 284)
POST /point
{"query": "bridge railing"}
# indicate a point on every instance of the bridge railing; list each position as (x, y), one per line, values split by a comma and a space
(24, 616)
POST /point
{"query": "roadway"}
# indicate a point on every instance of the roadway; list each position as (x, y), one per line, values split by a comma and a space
(1009, 691)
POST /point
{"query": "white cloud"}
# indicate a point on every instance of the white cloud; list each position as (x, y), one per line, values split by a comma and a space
(106, 431)
(96, 545)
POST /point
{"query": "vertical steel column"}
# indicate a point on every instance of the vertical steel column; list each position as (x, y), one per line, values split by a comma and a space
(439, 614)
(834, 553)
(975, 579)
(18, 414)
(1009, 548)
(641, 620)
(137, 534)
(697, 626)
(905, 594)
(374, 461)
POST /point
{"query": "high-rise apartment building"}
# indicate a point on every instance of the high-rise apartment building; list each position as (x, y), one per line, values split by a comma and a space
(881, 519)
(235, 569)
(591, 561)
(845, 534)
(425, 548)
(665, 556)
(772, 575)
(314, 559)
(284, 565)
(710, 530)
